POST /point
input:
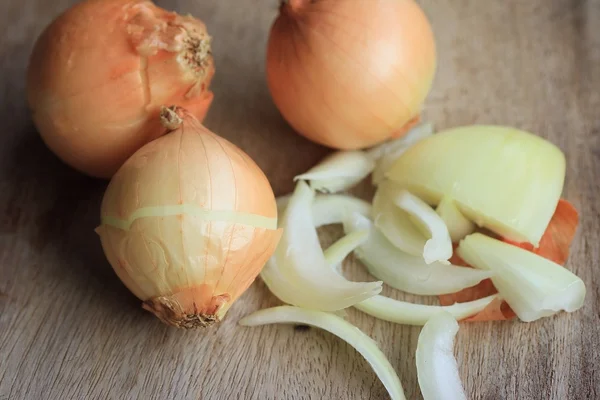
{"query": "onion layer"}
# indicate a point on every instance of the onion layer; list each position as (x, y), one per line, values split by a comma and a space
(350, 73)
(340, 328)
(100, 72)
(188, 222)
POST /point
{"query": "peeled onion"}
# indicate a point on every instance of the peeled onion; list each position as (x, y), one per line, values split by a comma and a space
(188, 222)
(100, 72)
(350, 73)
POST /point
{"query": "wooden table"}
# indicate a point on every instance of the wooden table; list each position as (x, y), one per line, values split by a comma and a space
(70, 330)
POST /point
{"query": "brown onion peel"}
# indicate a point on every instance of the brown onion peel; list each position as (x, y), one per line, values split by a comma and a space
(100, 72)
(188, 222)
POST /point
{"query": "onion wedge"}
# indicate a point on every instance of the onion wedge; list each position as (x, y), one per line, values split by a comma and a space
(338, 171)
(340, 328)
(406, 272)
(402, 312)
(386, 153)
(437, 370)
(457, 224)
(533, 286)
(330, 209)
(298, 272)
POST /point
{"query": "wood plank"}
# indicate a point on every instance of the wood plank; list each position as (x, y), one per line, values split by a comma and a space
(69, 329)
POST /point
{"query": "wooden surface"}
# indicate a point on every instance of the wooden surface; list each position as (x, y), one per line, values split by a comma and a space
(70, 330)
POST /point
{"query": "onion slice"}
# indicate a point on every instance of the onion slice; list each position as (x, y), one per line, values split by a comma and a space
(298, 272)
(386, 153)
(330, 209)
(437, 370)
(406, 272)
(533, 286)
(340, 328)
(402, 312)
(338, 251)
(457, 224)
(338, 171)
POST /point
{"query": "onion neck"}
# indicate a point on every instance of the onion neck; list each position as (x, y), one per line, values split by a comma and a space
(171, 117)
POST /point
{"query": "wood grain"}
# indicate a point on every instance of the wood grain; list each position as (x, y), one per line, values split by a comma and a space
(70, 330)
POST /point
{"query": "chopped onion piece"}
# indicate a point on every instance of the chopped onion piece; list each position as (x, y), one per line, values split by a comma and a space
(402, 312)
(386, 153)
(299, 264)
(330, 208)
(458, 225)
(338, 251)
(503, 179)
(339, 171)
(340, 328)
(406, 272)
(437, 370)
(394, 222)
(533, 286)
(439, 247)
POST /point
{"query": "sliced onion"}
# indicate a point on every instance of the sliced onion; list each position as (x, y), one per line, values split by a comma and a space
(330, 209)
(439, 247)
(340, 328)
(386, 153)
(402, 312)
(298, 272)
(394, 222)
(458, 225)
(533, 286)
(338, 251)
(339, 171)
(437, 370)
(406, 272)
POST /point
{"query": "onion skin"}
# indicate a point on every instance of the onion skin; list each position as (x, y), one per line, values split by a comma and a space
(349, 74)
(189, 265)
(100, 72)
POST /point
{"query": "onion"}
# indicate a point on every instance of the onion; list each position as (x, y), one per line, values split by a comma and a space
(350, 73)
(188, 222)
(340, 328)
(457, 224)
(501, 178)
(100, 72)
(533, 286)
(403, 271)
(437, 370)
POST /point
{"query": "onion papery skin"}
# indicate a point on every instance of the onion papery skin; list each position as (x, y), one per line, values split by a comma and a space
(100, 72)
(188, 222)
(349, 74)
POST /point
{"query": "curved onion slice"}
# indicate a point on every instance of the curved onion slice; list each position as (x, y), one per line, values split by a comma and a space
(330, 209)
(340, 328)
(504, 179)
(437, 370)
(335, 254)
(533, 286)
(406, 272)
(299, 267)
(402, 312)
(386, 153)
(458, 225)
(439, 247)
(338, 171)
(395, 223)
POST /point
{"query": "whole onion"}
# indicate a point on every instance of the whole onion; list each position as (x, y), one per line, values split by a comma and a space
(100, 72)
(350, 73)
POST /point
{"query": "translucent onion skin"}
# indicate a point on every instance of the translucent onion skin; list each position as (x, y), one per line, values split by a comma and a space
(349, 74)
(188, 222)
(100, 71)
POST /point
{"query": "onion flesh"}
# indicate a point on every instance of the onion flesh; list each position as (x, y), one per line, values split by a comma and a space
(330, 209)
(437, 370)
(299, 264)
(501, 178)
(403, 271)
(533, 286)
(340, 328)
(458, 225)
(338, 171)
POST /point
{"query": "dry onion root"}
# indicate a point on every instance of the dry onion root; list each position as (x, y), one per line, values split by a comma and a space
(188, 222)
(100, 72)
